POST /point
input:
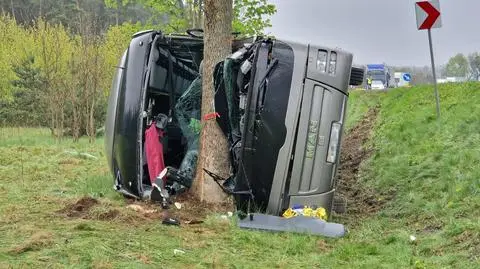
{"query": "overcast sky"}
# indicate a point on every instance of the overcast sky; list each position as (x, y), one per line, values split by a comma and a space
(377, 31)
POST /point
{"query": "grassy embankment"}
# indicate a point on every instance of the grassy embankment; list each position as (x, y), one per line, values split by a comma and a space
(432, 167)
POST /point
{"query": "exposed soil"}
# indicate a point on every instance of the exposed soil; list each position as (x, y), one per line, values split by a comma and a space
(80, 209)
(360, 201)
(193, 211)
(109, 215)
(425, 223)
(323, 246)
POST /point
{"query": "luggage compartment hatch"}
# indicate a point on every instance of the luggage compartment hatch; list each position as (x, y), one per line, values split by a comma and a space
(321, 107)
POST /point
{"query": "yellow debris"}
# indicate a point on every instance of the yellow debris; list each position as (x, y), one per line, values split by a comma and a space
(289, 213)
(319, 213)
(308, 212)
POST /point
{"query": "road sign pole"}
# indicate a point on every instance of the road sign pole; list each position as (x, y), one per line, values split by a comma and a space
(437, 98)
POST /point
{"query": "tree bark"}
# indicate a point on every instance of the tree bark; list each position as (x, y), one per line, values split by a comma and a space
(213, 144)
(194, 14)
(117, 12)
(200, 14)
(191, 13)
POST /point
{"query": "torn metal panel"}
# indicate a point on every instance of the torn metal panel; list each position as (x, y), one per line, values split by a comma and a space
(300, 224)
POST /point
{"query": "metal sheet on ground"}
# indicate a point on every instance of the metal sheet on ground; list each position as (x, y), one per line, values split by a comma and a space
(298, 224)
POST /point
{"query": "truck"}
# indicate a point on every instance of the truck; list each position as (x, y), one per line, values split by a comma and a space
(380, 75)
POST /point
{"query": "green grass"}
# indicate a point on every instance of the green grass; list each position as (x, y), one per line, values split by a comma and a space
(358, 104)
(434, 168)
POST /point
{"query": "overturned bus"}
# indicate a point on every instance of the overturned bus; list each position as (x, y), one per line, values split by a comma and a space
(281, 106)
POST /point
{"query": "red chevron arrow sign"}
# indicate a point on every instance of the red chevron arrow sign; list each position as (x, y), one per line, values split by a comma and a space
(428, 15)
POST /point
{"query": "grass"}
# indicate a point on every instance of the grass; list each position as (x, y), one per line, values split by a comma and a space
(434, 168)
(358, 105)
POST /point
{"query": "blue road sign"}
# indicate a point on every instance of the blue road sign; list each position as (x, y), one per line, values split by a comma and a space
(407, 77)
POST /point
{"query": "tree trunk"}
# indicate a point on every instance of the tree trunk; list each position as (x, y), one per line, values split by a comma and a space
(40, 12)
(117, 12)
(193, 12)
(95, 78)
(62, 120)
(13, 9)
(75, 122)
(213, 144)
(92, 122)
(200, 14)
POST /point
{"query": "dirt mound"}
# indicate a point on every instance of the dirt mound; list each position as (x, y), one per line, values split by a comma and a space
(109, 215)
(80, 209)
(89, 208)
(359, 200)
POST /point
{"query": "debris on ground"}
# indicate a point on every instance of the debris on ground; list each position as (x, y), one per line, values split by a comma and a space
(171, 221)
(188, 209)
(140, 209)
(192, 222)
(298, 210)
(82, 155)
(194, 210)
(178, 252)
(300, 224)
(361, 201)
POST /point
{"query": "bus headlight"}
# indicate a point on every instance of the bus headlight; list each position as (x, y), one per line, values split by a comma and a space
(322, 61)
(333, 63)
(334, 142)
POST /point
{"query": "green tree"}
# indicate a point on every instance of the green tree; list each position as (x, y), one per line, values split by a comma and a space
(54, 47)
(15, 41)
(25, 108)
(457, 66)
(252, 16)
(173, 10)
(118, 5)
(474, 61)
(248, 16)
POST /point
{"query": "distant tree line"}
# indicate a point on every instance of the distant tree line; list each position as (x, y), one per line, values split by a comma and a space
(460, 66)
(172, 15)
(464, 66)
